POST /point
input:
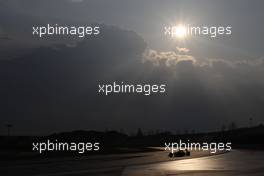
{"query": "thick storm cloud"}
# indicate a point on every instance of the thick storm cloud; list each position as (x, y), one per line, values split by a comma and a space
(51, 84)
(56, 88)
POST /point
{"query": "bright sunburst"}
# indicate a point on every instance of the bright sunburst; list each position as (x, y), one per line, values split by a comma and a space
(180, 31)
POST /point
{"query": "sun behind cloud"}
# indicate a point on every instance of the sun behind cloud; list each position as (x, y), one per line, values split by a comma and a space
(180, 31)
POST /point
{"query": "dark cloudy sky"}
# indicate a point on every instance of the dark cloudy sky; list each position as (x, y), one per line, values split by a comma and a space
(48, 86)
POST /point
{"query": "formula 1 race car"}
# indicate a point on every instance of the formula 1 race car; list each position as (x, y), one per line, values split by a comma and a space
(180, 153)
